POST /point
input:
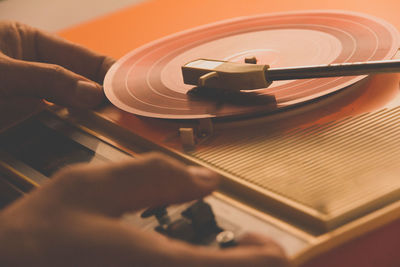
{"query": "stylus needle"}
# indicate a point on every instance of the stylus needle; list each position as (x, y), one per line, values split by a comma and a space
(247, 76)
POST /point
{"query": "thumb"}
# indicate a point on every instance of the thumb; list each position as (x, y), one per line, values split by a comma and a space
(51, 82)
(149, 181)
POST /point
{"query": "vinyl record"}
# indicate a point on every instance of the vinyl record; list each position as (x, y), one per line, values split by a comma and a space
(148, 80)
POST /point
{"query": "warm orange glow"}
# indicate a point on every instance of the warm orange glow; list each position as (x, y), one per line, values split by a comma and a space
(120, 32)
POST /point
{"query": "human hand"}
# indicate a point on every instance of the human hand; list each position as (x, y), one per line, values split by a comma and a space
(40, 65)
(74, 220)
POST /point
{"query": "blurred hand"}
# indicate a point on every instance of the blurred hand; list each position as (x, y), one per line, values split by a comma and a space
(39, 65)
(74, 220)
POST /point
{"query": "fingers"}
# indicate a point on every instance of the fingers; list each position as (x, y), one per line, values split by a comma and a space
(70, 76)
(150, 181)
(147, 249)
(253, 250)
(143, 248)
(51, 82)
(55, 50)
(39, 46)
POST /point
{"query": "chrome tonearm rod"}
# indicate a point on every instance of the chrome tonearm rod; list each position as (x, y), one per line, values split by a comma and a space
(248, 76)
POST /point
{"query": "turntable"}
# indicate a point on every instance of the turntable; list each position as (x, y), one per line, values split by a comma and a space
(312, 163)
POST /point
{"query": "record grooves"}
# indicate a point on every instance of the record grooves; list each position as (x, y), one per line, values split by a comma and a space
(148, 82)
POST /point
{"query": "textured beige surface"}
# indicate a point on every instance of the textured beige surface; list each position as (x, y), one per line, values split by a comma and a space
(340, 170)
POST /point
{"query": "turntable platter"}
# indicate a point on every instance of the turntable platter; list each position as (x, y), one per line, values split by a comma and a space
(148, 82)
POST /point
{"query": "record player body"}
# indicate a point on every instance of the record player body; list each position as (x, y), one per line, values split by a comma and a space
(323, 170)
(314, 167)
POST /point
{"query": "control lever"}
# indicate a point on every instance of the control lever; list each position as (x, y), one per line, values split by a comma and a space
(160, 213)
(196, 225)
(202, 218)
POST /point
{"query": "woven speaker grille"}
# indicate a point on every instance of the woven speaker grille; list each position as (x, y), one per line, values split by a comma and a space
(339, 169)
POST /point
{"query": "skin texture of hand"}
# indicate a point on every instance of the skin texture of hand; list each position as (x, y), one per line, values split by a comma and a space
(75, 220)
(40, 65)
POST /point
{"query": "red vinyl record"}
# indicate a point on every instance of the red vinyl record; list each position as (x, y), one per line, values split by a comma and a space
(148, 80)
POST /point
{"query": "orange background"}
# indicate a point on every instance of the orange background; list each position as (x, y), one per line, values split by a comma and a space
(120, 32)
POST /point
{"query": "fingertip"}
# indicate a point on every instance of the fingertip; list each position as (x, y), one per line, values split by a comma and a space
(205, 177)
(256, 255)
(108, 62)
(105, 66)
(267, 244)
(254, 239)
(89, 94)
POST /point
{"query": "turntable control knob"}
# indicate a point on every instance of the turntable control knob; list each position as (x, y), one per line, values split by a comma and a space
(202, 217)
(187, 138)
(181, 229)
(250, 60)
(226, 239)
(160, 213)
